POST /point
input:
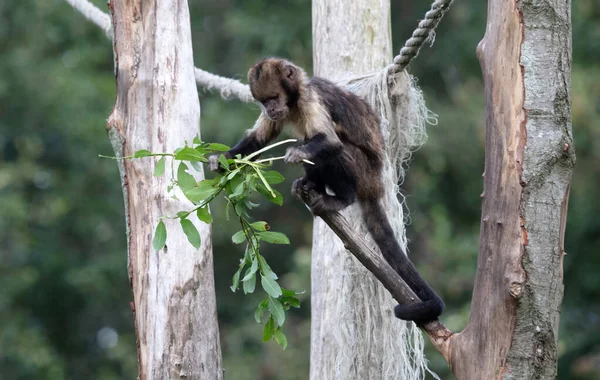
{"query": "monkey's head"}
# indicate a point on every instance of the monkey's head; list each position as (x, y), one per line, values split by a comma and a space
(275, 84)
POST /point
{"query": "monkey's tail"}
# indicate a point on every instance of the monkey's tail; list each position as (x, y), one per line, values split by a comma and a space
(380, 229)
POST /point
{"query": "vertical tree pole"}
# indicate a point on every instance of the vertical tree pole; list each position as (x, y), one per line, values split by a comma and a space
(354, 334)
(525, 57)
(157, 108)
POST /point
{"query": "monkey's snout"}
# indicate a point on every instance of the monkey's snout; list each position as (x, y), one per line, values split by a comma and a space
(276, 115)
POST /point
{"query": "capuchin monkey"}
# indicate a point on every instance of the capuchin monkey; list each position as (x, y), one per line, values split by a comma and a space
(340, 134)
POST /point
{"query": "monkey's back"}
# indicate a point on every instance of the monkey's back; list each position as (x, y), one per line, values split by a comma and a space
(358, 128)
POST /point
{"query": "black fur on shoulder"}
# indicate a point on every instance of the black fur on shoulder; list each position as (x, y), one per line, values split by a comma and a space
(355, 121)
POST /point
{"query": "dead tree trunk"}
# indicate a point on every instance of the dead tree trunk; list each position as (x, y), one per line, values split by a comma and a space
(157, 108)
(526, 62)
(354, 334)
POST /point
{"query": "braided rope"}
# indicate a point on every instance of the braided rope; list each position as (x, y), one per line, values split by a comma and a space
(423, 32)
(232, 88)
(94, 14)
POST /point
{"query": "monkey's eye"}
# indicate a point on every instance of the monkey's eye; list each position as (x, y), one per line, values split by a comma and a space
(270, 99)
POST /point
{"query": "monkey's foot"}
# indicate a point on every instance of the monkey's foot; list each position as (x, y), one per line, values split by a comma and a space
(317, 201)
(321, 203)
(301, 187)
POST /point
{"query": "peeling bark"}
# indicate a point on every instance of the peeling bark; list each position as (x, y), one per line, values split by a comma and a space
(157, 108)
(525, 57)
(526, 62)
(548, 161)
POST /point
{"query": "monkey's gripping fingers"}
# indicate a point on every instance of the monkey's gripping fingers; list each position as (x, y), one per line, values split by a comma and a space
(295, 155)
(297, 187)
(214, 165)
(301, 186)
(318, 205)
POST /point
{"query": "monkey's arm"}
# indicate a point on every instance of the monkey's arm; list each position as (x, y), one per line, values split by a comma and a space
(322, 142)
(263, 132)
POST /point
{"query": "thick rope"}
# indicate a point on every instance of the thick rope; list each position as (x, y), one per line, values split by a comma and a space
(228, 88)
(94, 14)
(231, 88)
(423, 32)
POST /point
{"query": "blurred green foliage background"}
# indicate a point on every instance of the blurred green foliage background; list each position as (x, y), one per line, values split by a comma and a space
(64, 292)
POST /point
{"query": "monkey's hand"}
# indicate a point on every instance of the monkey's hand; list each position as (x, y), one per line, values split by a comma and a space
(213, 164)
(295, 155)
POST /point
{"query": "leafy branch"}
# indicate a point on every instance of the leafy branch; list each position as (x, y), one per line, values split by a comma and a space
(239, 178)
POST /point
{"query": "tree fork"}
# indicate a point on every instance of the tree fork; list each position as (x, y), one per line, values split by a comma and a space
(525, 58)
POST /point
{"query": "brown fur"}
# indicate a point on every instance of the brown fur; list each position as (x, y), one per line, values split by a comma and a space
(340, 134)
(270, 82)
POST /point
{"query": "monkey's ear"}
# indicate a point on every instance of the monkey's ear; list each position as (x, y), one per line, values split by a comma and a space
(290, 72)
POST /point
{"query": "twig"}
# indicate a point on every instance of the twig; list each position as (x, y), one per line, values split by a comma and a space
(268, 147)
(376, 264)
(270, 159)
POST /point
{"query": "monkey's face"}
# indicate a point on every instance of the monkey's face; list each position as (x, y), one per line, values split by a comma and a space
(273, 84)
(274, 106)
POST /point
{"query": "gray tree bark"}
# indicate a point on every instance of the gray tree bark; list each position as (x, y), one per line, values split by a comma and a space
(526, 62)
(513, 330)
(548, 160)
(157, 108)
(354, 334)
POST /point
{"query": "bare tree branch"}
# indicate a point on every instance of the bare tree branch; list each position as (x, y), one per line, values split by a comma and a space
(376, 264)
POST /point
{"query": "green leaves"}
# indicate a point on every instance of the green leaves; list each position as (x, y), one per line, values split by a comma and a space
(238, 237)
(223, 161)
(249, 285)
(142, 153)
(236, 280)
(259, 310)
(269, 330)
(184, 180)
(191, 232)
(273, 237)
(276, 310)
(190, 154)
(273, 177)
(270, 286)
(202, 191)
(260, 226)
(239, 181)
(160, 236)
(217, 147)
(273, 196)
(280, 338)
(159, 169)
(204, 215)
(250, 273)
